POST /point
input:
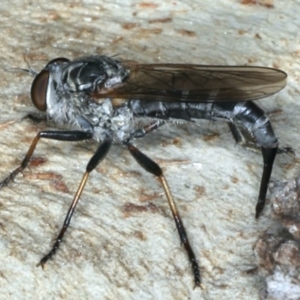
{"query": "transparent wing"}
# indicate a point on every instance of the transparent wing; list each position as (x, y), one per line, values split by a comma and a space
(196, 83)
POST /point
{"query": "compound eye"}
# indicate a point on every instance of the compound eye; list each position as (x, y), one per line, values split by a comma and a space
(40, 85)
(39, 90)
(57, 60)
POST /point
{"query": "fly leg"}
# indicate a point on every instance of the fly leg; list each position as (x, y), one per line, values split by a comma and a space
(153, 168)
(70, 136)
(251, 128)
(139, 133)
(245, 139)
(94, 161)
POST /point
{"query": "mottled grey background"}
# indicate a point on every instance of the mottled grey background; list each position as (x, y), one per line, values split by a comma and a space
(122, 242)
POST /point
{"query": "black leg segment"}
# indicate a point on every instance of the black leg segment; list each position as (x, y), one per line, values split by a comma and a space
(269, 155)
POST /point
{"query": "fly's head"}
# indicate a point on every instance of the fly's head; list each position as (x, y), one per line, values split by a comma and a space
(77, 79)
(69, 90)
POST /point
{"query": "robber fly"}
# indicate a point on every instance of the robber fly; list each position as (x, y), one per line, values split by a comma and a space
(104, 99)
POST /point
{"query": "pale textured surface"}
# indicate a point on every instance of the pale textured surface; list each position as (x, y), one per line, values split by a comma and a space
(278, 255)
(109, 253)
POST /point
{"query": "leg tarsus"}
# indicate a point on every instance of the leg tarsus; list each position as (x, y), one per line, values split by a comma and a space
(288, 150)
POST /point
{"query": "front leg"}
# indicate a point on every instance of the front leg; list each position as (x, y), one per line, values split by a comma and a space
(70, 136)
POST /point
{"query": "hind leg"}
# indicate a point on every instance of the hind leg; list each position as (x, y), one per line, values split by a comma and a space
(252, 129)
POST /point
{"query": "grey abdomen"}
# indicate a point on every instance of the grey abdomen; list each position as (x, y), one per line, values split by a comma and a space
(248, 123)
